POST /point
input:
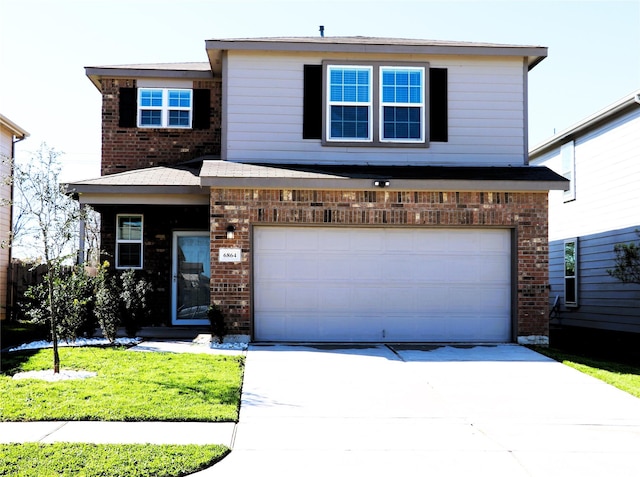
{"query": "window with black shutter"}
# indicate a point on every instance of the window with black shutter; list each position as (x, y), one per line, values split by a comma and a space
(392, 120)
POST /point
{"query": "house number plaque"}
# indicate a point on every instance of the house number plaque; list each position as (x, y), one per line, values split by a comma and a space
(230, 255)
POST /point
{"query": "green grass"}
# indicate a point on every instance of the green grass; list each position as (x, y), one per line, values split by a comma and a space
(129, 386)
(94, 460)
(623, 376)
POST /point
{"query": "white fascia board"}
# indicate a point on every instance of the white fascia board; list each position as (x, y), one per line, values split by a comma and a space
(142, 199)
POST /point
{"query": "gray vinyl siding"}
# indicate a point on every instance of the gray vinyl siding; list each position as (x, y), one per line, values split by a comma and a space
(264, 96)
(604, 302)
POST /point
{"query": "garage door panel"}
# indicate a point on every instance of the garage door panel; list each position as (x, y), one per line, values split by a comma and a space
(270, 267)
(302, 268)
(335, 299)
(336, 240)
(366, 268)
(400, 299)
(307, 240)
(382, 284)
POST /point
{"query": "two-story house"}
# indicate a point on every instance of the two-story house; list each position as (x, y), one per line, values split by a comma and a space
(601, 156)
(10, 134)
(331, 189)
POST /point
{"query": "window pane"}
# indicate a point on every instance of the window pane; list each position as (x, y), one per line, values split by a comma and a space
(350, 122)
(179, 118)
(129, 228)
(350, 93)
(150, 97)
(129, 255)
(349, 84)
(570, 290)
(570, 259)
(150, 117)
(401, 123)
(179, 99)
(401, 86)
(336, 93)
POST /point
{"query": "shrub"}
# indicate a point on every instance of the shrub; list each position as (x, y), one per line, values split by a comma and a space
(218, 325)
(72, 302)
(133, 293)
(106, 307)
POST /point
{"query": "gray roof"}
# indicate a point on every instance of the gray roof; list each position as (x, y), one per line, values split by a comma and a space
(360, 44)
(192, 71)
(158, 180)
(227, 174)
(612, 111)
(196, 176)
(347, 45)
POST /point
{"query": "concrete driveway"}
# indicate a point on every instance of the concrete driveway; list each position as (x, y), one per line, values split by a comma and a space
(439, 411)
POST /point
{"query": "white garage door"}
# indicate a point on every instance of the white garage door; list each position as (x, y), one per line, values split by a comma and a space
(381, 284)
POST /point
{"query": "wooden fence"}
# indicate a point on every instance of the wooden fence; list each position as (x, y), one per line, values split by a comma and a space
(20, 277)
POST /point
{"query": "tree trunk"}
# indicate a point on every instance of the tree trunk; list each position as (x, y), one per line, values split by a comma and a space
(52, 317)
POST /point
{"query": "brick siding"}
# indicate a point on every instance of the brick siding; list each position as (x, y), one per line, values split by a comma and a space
(125, 149)
(159, 222)
(525, 212)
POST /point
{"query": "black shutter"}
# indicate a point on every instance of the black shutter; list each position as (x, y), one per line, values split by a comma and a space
(438, 105)
(128, 108)
(312, 102)
(201, 108)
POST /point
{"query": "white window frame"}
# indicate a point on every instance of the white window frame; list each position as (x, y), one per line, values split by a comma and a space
(368, 104)
(120, 241)
(165, 109)
(376, 109)
(567, 277)
(421, 105)
(568, 161)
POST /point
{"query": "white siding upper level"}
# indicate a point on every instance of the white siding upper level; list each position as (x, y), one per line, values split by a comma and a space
(263, 112)
(607, 179)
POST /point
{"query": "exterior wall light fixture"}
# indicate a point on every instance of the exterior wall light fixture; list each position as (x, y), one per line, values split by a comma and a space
(230, 231)
(381, 184)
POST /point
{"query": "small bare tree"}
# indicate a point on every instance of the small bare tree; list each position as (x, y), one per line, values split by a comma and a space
(49, 222)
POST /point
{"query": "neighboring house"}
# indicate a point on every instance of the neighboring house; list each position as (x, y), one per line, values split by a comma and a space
(330, 189)
(10, 134)
(601, 156)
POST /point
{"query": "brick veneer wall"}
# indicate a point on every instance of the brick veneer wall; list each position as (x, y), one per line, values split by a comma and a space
(134, 148)
(525, 212)
(159, 222)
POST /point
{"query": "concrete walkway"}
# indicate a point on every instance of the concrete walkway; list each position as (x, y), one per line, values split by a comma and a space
(416, 410)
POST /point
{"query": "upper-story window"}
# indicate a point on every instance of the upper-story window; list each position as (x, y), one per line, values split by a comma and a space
(402, 102)
(350, 103)
(164, 108)
(568, 158)
(376, 104)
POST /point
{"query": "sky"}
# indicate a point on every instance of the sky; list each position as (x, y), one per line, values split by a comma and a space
(593, 58)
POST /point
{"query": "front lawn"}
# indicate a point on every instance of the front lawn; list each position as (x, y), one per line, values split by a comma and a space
(99, 460)
(622, 376)
(129, 386)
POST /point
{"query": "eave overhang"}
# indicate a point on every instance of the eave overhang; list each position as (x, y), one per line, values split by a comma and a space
(370, 45)
(180, 71)
(13, 128)
(224, 174)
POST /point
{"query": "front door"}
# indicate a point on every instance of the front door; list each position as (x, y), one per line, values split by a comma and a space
(191, 275)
